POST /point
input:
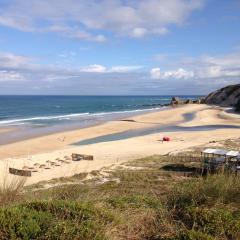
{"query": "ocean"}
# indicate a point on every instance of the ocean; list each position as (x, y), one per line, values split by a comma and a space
(45, 111)
(40, 111)
(33, 116)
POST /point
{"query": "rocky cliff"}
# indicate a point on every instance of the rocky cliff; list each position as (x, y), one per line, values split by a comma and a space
(227, 97)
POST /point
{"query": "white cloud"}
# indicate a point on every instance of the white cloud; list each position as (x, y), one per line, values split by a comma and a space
(10, 60)
(203, 69)
(219, 66)
(217, 72)
(175, 74)
(139, 32)
(95, 68)
(155, 73)
(10, 76)
(124, 69)
(75, 32)
(83, 19)
(227, 60)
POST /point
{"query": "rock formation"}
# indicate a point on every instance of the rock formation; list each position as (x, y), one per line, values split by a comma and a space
(226, 97)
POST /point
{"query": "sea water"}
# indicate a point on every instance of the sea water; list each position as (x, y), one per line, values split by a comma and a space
(39, 115)
(51, 110)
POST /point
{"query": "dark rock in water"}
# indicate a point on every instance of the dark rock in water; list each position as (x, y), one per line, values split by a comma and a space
(202, 100)
(225, 97)
(188, 101)
(237, 107)
(176, 101)
(195, 101)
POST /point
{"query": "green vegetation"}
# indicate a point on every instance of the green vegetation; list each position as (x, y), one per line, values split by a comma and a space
(151, 202)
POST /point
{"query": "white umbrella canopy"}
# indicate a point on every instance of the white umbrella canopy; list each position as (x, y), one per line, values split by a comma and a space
(232, 153)
(209, 150)
(221, 152)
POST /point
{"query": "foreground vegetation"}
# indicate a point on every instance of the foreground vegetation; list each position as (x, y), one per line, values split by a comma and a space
(145, 199)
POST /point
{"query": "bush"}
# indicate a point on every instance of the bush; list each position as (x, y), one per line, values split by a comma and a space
(218, 222)
(22, 223)
(53, 220)
(214, 189)
(134, 201)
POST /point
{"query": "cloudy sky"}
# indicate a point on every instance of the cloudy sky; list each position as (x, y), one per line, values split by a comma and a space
(118, 47)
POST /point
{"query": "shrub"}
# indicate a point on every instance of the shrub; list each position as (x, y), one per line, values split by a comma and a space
(53, 220)
(214, 189)
(135, 201)
(218, 222)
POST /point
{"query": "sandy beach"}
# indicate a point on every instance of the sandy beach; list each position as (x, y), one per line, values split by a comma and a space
(187, 126)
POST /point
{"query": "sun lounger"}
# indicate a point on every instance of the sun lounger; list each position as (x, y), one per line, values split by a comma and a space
(67, 161)
(78, 157)
(52, 163)
(42, 166)
(20, 172)
(32, 169)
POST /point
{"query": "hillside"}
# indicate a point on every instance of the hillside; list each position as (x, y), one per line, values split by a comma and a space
(155, 198)
(227, 97)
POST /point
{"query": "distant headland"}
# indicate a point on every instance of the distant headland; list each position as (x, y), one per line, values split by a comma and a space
(228, 96)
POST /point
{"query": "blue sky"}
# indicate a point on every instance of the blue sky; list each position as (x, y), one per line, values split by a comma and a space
(118, 47)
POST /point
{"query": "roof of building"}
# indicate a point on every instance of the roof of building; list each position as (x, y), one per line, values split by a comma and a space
(208, 150)
(215, 151)
(222, 152)
(232, 153)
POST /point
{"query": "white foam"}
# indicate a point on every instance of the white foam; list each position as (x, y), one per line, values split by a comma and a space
(128, 111)
(70, 116)
(42, 118)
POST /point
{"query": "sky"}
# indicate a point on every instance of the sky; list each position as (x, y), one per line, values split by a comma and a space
(118, 47)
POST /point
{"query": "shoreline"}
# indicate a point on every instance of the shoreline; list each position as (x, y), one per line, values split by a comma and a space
(107, 153)
(22, 133)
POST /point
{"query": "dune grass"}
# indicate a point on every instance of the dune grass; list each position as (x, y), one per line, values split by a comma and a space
(10, 187)
(146, 203)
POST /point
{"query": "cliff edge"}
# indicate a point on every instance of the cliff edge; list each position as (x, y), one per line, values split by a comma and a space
(226, 97)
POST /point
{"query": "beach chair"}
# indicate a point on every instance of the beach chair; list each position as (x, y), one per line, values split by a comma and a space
(79, 157)
(42, 166)
(36, 165)
(66, 161)
(20, 172)
(67, 158)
